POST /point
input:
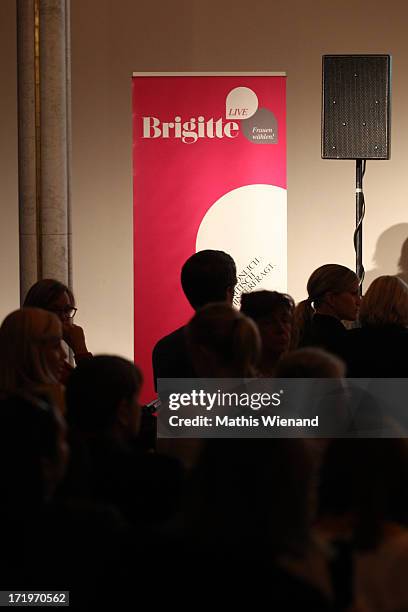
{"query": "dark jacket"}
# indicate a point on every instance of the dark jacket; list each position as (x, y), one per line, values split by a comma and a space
(171, 357)
(377, 352)
(326, 332)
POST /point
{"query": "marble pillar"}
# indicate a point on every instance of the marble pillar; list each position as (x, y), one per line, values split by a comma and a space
(44, 140)
(27, 154)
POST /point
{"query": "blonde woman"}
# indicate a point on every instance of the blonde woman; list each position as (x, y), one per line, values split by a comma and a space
(224, 342)
(333, 297)
(379, 349)
(31, 354)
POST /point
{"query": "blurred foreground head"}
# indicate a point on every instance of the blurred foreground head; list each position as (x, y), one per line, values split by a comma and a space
(255, 492)
(103, 397)
(224, 342)
(310, 363)
(31, 354)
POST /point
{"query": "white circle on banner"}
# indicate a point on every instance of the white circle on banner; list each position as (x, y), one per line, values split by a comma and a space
(241, 103)
(249, 223)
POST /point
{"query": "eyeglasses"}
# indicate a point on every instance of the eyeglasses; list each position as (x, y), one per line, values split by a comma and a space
(68, 311)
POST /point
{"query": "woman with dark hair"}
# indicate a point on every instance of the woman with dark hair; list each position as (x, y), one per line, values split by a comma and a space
(108, 462)
(52, 295)
(333, 297)
(273, 314)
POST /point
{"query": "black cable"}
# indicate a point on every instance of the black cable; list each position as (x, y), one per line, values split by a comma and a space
(358, 225)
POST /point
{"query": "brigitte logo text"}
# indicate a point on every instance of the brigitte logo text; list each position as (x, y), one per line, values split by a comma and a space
(189, 131)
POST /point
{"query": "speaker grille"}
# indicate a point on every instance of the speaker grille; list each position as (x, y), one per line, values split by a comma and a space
(356, 107)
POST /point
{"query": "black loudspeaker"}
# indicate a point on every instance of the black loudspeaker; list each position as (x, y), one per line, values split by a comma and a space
(356, 107)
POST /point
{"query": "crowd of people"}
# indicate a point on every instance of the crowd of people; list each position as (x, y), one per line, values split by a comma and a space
(93, 504)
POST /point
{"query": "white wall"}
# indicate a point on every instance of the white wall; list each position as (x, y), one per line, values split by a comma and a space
(111, 39)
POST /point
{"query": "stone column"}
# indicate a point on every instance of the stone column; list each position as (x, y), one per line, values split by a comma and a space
(27, 145)
(44, 140)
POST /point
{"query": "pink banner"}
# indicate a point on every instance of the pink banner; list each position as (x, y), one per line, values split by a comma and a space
(209, 167)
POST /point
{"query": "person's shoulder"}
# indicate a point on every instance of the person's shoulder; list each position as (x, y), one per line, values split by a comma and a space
(325, 330)
(176, 336)
(171, 357)
(171, 337)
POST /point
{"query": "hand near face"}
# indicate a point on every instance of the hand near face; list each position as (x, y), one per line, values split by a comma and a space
(72, 334)
(75, 338)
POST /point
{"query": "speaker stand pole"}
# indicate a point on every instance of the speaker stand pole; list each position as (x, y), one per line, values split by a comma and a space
(358, 236)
